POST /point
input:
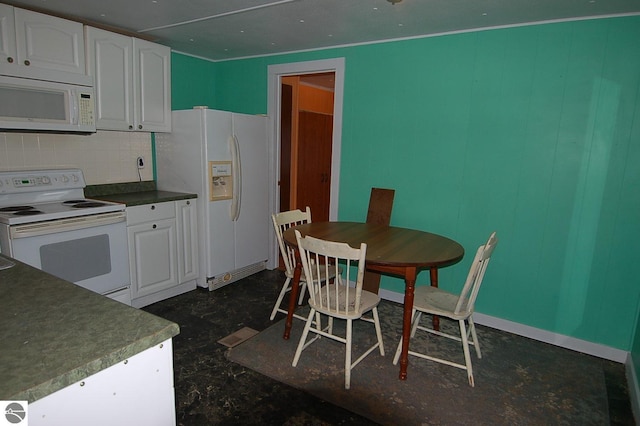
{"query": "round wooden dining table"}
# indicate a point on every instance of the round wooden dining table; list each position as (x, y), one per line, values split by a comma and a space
(391, 250)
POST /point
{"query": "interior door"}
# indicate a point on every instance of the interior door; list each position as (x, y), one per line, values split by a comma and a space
(314, 163)
(306, 140)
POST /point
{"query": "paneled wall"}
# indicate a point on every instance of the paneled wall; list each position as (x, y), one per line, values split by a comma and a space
(531, 131)
(104, 157)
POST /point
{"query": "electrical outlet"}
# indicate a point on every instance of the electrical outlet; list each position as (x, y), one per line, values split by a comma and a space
(140, 162)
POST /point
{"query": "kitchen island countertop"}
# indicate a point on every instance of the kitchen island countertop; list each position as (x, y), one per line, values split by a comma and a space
(56, 333)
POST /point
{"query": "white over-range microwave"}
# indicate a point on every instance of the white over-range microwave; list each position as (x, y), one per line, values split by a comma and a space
(38, 105)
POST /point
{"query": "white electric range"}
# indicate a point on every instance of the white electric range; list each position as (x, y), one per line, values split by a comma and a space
(46, 222)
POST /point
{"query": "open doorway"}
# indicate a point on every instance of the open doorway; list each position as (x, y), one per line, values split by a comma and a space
(331, 174)
(306, 131)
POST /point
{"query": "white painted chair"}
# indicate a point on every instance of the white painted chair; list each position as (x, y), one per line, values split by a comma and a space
(337, 300)
(281, 222)
(434, 301)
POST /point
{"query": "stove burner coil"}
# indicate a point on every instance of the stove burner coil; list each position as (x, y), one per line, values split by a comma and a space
(16, 208)
(83, 204)
(31, 212)
(87, 204)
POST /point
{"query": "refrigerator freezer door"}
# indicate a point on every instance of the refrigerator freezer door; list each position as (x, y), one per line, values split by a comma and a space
(220, 257)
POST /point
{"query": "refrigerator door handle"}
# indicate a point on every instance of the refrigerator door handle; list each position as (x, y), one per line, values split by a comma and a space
(236, 167)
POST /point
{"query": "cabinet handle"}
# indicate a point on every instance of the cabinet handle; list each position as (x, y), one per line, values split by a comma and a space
(188, 203)
(140, 126)
(130, 126)
(27, 62)
(153, 207)
(10, 59)
(155, 226)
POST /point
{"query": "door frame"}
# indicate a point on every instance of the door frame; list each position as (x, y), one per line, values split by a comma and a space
(275, 72)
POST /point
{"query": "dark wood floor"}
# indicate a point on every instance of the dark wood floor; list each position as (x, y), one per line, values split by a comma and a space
(213, 390)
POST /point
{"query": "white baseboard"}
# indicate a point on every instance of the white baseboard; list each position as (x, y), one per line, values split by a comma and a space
(556, 339)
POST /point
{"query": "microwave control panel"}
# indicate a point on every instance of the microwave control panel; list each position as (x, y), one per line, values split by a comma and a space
(86, 116)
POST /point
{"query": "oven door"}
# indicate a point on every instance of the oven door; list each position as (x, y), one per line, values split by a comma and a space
(90, 251)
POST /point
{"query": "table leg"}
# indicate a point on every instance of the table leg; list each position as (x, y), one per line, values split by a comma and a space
(410, 283)
(293, 297)
(433, 273)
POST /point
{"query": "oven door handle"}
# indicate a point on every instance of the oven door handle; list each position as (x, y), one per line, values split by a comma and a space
(69, 224)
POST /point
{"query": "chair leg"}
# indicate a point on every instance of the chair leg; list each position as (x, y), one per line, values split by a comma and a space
(347, 356)
(303, 290)
(376, 322)
(476, 343)
(415, 318)
(415, 321)
(303, 338)
(319, 321)
(285, 288)
(465, 348)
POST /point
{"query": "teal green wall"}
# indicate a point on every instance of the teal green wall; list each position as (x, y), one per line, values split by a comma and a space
(192, 82)
(533, 132)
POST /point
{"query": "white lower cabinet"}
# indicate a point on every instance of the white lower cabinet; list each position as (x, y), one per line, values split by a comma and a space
(186, 226)
(137, 391)
(161, 250)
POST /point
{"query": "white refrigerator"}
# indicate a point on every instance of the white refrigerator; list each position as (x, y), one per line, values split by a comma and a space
(222, 157)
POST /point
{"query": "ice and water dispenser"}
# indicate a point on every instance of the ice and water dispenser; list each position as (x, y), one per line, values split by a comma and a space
(220, 180)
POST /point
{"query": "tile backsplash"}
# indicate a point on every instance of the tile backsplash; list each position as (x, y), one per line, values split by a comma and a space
(104, 156)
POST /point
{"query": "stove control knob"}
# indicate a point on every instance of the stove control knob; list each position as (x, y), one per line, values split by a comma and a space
(65, 178)
(46, 180)
(75, 178)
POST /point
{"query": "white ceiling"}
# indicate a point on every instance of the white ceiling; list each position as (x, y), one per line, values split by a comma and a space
(223, 29)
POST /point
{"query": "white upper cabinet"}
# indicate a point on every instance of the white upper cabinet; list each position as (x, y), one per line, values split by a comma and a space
(8, 54)
(132, 82)
(153, 85)
(110, 62)
(40, 46)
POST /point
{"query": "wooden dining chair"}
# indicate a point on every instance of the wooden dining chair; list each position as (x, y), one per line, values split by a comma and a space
(434, 301)
(281, 222)
(379, 213)
(338, 299)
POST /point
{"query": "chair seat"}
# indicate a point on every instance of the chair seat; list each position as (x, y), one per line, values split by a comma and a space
(368, 301)
(439, 302)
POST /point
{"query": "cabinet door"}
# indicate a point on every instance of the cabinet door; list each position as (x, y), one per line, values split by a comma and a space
(110, 62)
(152, 256)
(49, 42)
(187, 227)
(7, 37)
(152, 65)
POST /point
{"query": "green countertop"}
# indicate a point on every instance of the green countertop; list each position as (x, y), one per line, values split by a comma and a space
(145, 197)
(134, 193)
(55, 333)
